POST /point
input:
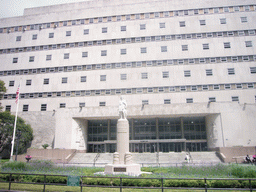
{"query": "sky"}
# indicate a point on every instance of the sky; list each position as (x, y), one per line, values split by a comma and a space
(13, 8)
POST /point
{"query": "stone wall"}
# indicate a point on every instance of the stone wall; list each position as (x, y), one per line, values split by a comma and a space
(43, 125)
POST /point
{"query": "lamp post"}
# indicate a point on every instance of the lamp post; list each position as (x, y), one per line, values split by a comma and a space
(17, 146)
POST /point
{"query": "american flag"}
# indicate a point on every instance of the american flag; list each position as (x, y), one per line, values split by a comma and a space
(17, 95)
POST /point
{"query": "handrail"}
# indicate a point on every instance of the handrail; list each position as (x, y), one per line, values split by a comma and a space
(96, 158)
(121, 186)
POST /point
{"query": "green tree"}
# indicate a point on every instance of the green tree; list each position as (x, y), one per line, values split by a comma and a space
(6, 132)
(2, 91)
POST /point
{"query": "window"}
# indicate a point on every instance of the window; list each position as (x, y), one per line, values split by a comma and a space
(18, 38)
(68, 33)
(31, 58)
(239, 86)
(34, 37)
(11, 83)
(231, 71)
(103, 77)
(102, 104)
(51, 35)
(243, 19)
(83, 78)
(150, 90)
(216, 87)
(25, 108)
(8, 108)
(227, 45)
(189, 100)
(167, 101)
(28, 82)
(103, 52)
(226, 9)
(123, 51)
(194, 88)
(183, 88)
(143, 50)
(144, 102)
(216, 10)
(48, 57)
(182, 24)
(144, 75)
(142, 26)
(86, 31)
(85, 54)
(43, 107)
(15, 60)
(46, 81)
(165, 74)
(206, 46)
(248, 43)
(235, 98)
(205, 87)
(64, 80)
(104, 29)
(187, 73)
(202, 22)
(250, 85)
(162, 25)
(212, 99)
(62, 105)
(123, 28)
(163, 48)
(208, 72)
(253, 70)
(223, 21)
(123, 76)
(184, 47)
(81, 104)
(227, 86)
(66, 55)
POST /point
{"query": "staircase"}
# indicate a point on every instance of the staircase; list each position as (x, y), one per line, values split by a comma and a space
(147, 159)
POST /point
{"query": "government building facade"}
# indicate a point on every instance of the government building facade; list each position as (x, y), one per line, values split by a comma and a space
(187, 70)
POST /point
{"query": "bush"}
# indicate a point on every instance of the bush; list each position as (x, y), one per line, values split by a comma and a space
(225, 184)
(14, 165)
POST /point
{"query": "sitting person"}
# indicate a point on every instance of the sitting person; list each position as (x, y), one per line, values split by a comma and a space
(248, 159)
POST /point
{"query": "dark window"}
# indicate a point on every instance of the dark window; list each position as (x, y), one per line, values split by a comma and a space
(68, 33)
(15, 60)
(43, 107)
(34, 37)
(11, 83)
(25, 107)
(83, 78)
(51, 35)
(48, 57)
(8, 108)
(28, 82)
(46, 81)
(64, 80)
(18, 38)
(31, 58)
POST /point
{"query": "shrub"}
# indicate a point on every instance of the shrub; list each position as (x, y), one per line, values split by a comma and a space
(45, 146)
(225, 184)
(14, 165)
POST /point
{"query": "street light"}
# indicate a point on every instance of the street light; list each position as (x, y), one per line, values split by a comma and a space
(17, 146)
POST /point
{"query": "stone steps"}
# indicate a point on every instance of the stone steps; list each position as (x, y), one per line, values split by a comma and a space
(171, 157)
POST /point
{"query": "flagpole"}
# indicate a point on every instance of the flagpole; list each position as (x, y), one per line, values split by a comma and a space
(15, 122)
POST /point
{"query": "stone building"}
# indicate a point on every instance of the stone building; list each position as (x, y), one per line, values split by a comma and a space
(186, 69)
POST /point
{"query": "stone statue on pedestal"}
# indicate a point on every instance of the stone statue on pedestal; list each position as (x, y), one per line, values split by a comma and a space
(122, 108)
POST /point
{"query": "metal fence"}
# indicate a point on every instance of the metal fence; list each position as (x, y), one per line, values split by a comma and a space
(121, 184)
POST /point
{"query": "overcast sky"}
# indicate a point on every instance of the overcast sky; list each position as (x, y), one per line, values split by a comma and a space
(13, 8)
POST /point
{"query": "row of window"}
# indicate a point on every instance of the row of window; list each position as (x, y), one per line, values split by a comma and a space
(138, 16)
(145, 90)
(103, 103)
(205, 46)
(124, 76)
(130, 40)
(150, 63)
(142, 27)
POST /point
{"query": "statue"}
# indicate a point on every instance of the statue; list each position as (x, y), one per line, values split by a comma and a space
(122, 108)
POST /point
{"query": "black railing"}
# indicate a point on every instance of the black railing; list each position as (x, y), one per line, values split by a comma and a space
(121, 182)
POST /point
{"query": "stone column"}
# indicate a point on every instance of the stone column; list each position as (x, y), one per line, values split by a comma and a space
(122, 139)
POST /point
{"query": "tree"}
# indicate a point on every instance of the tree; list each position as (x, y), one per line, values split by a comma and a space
(6, 133)
(2, 91)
